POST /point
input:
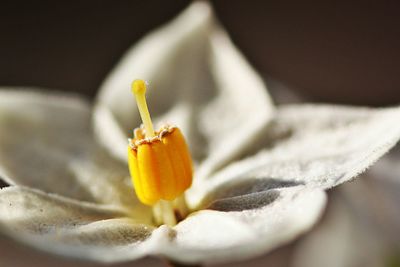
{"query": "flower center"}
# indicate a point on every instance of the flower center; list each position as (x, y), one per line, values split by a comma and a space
(160, 164)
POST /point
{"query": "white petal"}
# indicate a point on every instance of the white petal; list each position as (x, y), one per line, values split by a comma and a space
(103, 234)
(69, 227)
(46, 143)
(198, 80)
(246, 226)
(261, 225)
(239, 113)
(11, 252)
(319, 146)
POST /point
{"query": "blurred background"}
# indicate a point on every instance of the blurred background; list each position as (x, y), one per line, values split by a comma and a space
(327, 51)
(343, 52)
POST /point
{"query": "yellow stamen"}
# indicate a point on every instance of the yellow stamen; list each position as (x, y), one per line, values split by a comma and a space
(160, 165)
(139, 89)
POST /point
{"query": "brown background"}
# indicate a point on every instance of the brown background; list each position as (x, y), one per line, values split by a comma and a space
(345, 52)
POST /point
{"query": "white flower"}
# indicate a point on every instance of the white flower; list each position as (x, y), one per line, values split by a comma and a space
(261, 170)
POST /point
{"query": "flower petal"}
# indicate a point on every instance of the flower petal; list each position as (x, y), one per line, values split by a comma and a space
(198, 80)
(229, 234)
(69, 227)
(11, 252)
(100, 233)
(46, 143)
(318, 146)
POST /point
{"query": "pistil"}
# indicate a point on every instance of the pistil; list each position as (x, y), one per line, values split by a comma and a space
(139, 90)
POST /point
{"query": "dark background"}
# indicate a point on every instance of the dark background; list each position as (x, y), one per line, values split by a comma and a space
(346, 52)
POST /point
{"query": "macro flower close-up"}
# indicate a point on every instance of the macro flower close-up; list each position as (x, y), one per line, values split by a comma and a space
(254, 180)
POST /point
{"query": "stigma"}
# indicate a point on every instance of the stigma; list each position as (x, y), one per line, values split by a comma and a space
(159, 161)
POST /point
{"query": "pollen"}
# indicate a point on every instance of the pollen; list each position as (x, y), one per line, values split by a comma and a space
(159, 162)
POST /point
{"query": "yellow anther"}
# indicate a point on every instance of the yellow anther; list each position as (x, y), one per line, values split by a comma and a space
(139, 90)
(160, 168)
(159, 162)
